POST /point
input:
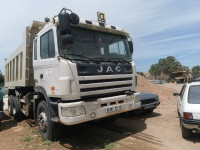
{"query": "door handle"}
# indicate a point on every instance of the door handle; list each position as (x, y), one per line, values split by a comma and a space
(41, 76)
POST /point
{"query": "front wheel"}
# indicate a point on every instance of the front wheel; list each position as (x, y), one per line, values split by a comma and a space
(48, 130)
(150, 111)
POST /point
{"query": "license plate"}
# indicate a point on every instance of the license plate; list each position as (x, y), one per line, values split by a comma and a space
(114, 108)
(148, 106)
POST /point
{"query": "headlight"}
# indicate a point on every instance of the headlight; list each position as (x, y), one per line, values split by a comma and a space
(72, 111)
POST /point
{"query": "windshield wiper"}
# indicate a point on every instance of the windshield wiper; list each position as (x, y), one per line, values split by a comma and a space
(68, 58)
(84, 57)
(121, 59)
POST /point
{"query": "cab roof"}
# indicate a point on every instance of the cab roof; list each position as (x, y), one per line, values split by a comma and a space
(92, 25)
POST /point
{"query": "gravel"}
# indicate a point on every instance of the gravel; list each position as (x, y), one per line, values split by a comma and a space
(165, 91)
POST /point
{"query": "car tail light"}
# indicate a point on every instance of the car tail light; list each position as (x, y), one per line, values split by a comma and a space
(187, 115)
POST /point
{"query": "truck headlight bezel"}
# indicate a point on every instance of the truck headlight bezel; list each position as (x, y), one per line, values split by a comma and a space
(137, 98)
(72, 111)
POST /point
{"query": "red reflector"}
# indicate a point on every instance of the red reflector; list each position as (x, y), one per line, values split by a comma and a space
(187, 115)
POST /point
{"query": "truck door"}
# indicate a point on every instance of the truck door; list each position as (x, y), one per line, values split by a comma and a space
(45, 61)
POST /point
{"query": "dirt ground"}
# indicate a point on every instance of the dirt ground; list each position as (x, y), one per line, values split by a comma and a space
(156, 131)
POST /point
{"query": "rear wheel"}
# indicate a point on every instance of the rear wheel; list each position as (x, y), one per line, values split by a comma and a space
(186, 133)
(10, 105)
(17, 114)
(48, 130)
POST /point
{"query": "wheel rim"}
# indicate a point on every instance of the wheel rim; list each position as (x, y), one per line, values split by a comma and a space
(42, 121)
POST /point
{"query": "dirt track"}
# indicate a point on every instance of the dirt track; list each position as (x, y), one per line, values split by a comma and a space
(159, 130)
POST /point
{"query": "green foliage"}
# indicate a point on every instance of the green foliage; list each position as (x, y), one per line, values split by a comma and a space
(110, 146)
(196, 70)
(164, 68)
(47, 142)
(141, 73)
(27, 139)
(35, 132)
(1, 79)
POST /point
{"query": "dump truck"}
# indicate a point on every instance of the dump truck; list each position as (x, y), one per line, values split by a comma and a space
(70, 70)
(182, 75)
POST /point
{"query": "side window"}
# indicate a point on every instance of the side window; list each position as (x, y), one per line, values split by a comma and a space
(35, 50)
(47, 48)
(182, 92)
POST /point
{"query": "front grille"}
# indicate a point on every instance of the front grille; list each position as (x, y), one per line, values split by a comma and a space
(93, 87)
(104, 88)
(94, 97)
(106, 80)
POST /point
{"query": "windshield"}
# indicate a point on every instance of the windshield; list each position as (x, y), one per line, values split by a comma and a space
(96, 45)
(194, 94)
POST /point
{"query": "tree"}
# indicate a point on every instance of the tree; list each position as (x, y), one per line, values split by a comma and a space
(164, 68)
(196, 70)
(1, 79)
(141, 73)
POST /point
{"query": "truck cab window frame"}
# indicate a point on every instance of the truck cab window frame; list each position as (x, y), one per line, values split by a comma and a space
(95, 44)
(47, 45)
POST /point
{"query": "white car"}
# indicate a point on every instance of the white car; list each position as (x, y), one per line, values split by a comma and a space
(189, 108)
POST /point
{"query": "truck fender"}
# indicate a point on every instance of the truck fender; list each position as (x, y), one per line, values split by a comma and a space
(53, 112)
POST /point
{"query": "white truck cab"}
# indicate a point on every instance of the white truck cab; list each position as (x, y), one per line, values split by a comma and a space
(71, 70)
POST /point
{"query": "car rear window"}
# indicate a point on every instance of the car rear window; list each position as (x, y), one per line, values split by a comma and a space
(194, 94)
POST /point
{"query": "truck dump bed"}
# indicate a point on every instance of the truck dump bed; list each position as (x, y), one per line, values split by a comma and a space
(18, 67)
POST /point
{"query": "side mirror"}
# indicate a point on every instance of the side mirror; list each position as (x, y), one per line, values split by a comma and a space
(176, 94)
(67, 39)
(64, 22)
(130, 43)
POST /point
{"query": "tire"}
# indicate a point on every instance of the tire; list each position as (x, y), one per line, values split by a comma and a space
(10, 105)
(17, 114)
(186, 133)
(48, 130)
(150, 111)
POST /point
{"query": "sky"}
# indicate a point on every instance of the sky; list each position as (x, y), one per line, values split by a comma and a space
(158, 28)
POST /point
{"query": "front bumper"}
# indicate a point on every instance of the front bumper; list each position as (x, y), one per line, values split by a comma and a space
(150, 106)
(97, 109)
